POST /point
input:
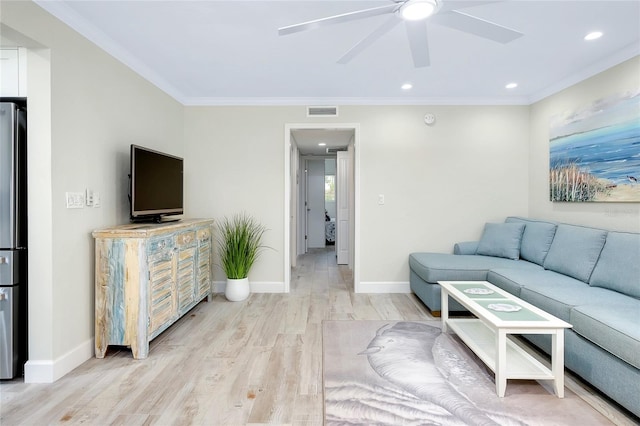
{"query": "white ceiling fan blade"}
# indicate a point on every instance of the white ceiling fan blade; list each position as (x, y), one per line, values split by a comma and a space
(477, 26)
(418, 42)
(369, 40)
(337, 19)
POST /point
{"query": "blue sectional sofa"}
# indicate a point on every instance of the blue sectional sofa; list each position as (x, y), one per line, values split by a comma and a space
(588, 277)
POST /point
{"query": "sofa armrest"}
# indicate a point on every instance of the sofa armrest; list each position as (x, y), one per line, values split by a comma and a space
(466, 247)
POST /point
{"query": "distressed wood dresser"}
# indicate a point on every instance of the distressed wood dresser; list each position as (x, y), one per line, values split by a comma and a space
(147, 276)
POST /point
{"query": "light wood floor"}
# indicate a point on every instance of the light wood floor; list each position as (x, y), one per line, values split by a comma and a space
(224, 363)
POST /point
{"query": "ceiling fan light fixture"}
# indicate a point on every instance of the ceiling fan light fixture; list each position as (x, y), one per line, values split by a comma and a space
(417, 10)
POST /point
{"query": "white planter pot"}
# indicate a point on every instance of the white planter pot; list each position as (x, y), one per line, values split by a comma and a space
(237, 289)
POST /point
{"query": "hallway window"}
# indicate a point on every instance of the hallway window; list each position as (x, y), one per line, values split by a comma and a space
(329, 188)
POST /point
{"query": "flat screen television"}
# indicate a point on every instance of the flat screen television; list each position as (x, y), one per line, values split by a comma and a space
(156, 185)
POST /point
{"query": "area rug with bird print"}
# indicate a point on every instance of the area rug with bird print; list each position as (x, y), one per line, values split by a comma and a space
(410, 373)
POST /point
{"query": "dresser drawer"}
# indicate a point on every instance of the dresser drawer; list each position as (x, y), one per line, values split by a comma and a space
(186, 239)
(204, 235)
(159, 245)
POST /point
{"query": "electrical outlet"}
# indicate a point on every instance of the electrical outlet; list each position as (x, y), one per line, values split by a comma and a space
(75, 200)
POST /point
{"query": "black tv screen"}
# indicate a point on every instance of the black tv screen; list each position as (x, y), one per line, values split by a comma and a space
(156, 184)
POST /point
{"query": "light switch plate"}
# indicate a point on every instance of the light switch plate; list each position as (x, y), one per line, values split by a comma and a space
(75, 200)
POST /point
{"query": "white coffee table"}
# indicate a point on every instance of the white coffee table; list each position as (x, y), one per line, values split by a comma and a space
(499, 314)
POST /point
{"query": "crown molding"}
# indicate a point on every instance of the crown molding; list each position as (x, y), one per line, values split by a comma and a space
(355, 101)
(71, 18)
(617, 58)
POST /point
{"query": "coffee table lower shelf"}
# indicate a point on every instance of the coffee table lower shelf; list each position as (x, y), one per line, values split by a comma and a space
(482, 341)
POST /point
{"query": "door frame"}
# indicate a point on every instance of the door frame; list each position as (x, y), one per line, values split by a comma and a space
(287, 196)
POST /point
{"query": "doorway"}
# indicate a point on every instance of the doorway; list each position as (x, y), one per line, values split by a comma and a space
(303, 142)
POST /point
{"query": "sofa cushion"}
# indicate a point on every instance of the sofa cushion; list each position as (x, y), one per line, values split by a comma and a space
(556, 294)
(465, 247)
(431, 294)
(611, 324)
(618, 267)
(434, 267)
(501, 240)
(536, 239)
(512, 280)
(575, 251)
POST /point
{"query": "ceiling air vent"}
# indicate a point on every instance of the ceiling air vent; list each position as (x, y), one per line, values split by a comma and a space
(322, 111)
(334, 150)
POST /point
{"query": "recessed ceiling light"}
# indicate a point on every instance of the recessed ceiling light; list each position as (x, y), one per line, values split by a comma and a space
(416, 10)
(406, 86)
(511, 85)
(322, 144)
(593, 36)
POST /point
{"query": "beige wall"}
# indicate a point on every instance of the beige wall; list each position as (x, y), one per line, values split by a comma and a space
(618, 216)
(441, 183)
(235, 162)
(96, 107)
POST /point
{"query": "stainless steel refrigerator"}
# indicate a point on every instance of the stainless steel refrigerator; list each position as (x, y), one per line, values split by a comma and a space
(13, 238)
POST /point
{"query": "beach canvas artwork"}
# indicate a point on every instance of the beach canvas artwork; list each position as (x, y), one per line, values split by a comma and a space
(594, 153)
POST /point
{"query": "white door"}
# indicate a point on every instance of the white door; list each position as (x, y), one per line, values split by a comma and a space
(343, 195)
(315, 203)
(293, 205)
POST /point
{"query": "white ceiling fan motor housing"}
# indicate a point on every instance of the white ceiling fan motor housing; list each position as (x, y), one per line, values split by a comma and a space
(417, 10)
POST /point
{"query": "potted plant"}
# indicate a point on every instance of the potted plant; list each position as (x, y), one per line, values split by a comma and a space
(240, 243)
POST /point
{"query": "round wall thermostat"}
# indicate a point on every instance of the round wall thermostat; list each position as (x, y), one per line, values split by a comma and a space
(429, 118)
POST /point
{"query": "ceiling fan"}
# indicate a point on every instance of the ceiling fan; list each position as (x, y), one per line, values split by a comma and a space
(414, 13)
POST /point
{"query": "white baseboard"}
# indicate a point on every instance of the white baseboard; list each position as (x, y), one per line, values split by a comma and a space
(383, 287)
(364, 287)
(256, 287)
(48, 371)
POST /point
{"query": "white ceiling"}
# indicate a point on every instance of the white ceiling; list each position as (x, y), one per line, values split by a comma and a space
(229, 52)
(307, 140)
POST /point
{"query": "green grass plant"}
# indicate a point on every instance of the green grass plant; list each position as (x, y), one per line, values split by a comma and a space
(240, 242)
(567, 182)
